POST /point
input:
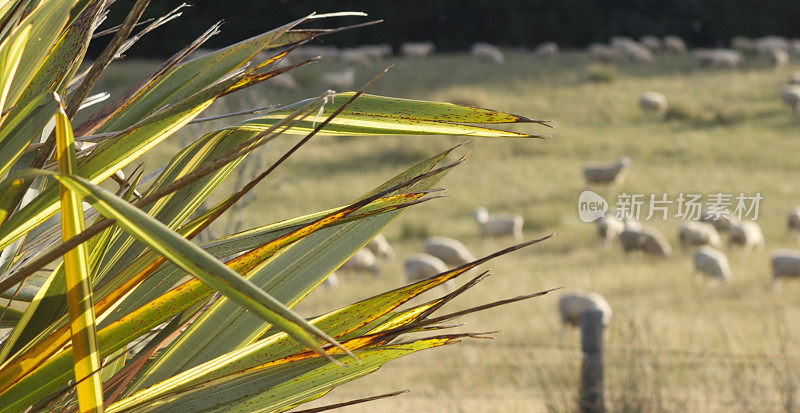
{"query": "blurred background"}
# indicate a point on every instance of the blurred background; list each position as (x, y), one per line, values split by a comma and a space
(664, 98)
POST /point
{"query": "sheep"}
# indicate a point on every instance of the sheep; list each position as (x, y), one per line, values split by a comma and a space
(332, 281)
(645, 239)
(381, 248)
(608, 228)
(651, 42)
(791, 97)
(339, 80)
(794, 78)
(602, 52)
(417, 49)
(629, 49)
(746, 234)
(653, 102)
(721, 221)
(743, 45)
(607, 173)
(495, 225)
(793, 219)
(674, 44)
(571, 305)
(488, 53)
(778, 57)
(420, 266)
(376, 51)
(698, 233)
(718, 58)
(353, 56)
(764, 45)
(546, 49)
(449, 250)
(785, 263)
(362, 261)
(284, 81)
(712, 262)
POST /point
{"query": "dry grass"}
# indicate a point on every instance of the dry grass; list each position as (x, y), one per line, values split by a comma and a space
(672, 345)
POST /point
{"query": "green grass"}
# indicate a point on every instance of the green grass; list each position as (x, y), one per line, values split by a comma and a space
(672, 345)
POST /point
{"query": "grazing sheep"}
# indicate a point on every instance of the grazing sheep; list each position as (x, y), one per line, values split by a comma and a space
(571, 305)
(674, 44)
(376, 51)
(420, 266)
(718, 58)
(602, 52)
(785, 263)
(449, 250)
(546, 49)
(712, 262)
(746, 234)
(791, 97)
(496, 225)
(778, 57)
(362, 261)
(608, 228)
(698, 233)
(353, 56)
(605, 174)
(794, 78)
(721, 221)
(651, 42)
(331, 282)
(381, 248)
(645, 239)
(653, 102)
(764, 45)
(743, 45)
(793, 219)
(339, 80)
(487, 53)
(417, 49)
(629, 49)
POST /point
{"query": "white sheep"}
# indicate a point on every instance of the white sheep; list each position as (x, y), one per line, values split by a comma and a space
(791, 97)
(651, 42)
(608, 228)
(794, 78)
(778, 57)
(341, 81)
(332, 281)
(420, 266)
(764, 45)
(653, 102)
(785, 263)
(721, 220)
(362, 261)
(718, 58)
(376, 51)
(698, 233)
(496, 225)
(417, 49)
(712, 262)
(646, 239)
(381, 248)
(746, 234)
(572, 304)
(487, 53)
(606, 174)
(546, 49)
(354, 56)
(674, 44)
(793, 219)
(744, 45)
(449, 250)
(629, 49)
(602, 52)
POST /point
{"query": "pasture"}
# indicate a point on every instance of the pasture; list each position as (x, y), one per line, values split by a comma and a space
(672, 344)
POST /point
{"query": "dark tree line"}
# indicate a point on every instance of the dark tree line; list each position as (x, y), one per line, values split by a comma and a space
(456, 24)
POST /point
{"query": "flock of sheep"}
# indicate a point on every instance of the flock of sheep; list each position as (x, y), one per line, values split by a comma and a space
(703, 235)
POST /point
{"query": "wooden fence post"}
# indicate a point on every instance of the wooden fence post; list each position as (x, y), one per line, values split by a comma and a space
(591, 395)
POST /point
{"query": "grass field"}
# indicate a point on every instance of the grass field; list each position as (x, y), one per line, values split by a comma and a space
(672, 344)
